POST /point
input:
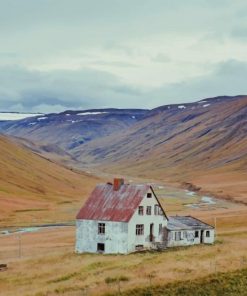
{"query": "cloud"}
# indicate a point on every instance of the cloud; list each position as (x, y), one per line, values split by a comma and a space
(81, 54)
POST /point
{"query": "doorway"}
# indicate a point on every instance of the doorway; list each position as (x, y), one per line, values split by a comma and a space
(151, 236)
(101, 248)
(202, 236)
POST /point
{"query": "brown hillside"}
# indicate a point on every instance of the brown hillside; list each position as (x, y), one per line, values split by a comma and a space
(31, 187)
(202, 143)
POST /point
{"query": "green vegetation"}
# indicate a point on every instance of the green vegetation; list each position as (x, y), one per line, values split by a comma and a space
(230, 284)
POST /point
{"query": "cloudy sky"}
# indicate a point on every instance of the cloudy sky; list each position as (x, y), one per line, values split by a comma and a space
(71, 54)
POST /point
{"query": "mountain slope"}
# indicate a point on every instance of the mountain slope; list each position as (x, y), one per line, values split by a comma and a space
(182, 143)
(31, 187)
(72, 129)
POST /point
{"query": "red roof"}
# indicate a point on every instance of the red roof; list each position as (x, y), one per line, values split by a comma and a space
(107, 204)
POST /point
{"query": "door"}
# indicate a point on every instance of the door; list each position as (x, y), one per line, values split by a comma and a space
(202, 236)
(151, 236)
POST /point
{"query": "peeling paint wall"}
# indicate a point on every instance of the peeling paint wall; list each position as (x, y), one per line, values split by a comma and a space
(188, 238)
(120, 237)
(133, 239)
(115, 237)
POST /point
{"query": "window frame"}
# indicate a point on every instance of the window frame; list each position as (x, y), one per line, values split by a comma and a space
(178, 235)
(141, 210)
(149, 210)
(160, 229)
(101, 228)
(139, 229)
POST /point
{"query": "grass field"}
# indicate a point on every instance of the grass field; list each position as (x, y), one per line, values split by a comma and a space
(232, 283)
(47, 264)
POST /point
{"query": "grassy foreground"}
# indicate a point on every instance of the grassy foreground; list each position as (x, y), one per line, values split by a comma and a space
(231, 283)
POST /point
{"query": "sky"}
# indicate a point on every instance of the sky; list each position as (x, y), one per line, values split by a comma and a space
(82, 54)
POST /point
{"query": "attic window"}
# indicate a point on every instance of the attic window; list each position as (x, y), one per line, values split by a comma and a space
(101, 228)
(140, 210)
(149, 195)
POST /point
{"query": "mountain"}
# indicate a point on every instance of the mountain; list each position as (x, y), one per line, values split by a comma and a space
(203, 143)
(72, 129)
(33, 189)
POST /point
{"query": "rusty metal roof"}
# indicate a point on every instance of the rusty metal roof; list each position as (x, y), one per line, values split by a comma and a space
(107, 204)
(186, 223)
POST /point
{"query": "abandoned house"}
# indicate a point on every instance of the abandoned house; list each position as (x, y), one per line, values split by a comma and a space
(123, 218)
(187, 230)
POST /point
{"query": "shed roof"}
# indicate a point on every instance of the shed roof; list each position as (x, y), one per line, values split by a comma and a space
(186, 223)
(107, 204)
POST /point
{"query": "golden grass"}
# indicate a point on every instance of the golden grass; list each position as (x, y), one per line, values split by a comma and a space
(34, 190)
(50, 267)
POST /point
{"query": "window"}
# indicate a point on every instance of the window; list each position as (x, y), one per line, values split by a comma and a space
(101, 228)
(149, 210)
(207, 233)
(139, 229)
(149, 195)
(139, 247)
(101, 247)
(160, 229)
(140, 210)
(178, 235)
(196, 233)
(156, 210)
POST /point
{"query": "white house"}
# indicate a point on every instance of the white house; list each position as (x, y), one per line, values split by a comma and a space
(122, 218)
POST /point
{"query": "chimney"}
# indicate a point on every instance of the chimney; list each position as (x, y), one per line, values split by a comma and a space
(118, 182)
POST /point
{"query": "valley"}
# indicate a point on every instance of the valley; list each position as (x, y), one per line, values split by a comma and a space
(47, 260)
(193, 154)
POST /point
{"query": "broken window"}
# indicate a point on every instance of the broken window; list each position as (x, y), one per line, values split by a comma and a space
(178, 235)
(139, 247)
(139, 229)
(196, 233)
(149, 195)
(149, 210)
(101, 228)
(160, 229)
(207, 233)
(101, 247)
(140, 210)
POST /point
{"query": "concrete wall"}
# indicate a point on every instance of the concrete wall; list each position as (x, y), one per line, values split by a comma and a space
(115, 237)
(133, 239)
(188, 238)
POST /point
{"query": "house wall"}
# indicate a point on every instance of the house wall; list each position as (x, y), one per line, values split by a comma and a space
(115, 237)
(133, 239)
(188, 238)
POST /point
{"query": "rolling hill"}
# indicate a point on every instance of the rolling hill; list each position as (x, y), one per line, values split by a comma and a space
(34, 190)
(201, 144)
(204, 143)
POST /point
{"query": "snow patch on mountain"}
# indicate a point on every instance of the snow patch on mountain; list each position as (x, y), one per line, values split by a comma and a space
(91, 113)
(15, 116)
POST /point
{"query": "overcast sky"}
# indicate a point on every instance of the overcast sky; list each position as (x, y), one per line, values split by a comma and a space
(78, 54)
